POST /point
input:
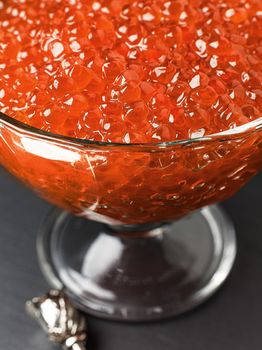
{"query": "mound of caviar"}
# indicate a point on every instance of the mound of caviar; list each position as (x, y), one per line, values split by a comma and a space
(131, 71)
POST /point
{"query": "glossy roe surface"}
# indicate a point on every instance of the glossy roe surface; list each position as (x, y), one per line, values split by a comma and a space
(131, 71)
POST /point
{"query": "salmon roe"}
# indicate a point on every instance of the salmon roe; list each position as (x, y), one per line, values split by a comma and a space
(131, 71)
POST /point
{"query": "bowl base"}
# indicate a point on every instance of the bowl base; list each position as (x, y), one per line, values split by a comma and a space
(134, 278)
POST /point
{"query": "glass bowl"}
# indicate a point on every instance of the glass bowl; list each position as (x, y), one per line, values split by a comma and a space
(129, 241)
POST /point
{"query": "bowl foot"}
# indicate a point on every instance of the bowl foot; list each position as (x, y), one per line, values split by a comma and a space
(134, 278)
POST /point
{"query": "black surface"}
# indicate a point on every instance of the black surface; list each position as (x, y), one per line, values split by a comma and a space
(232, 320)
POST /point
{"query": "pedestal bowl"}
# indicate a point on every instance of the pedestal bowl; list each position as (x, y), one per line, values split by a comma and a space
(137, 235)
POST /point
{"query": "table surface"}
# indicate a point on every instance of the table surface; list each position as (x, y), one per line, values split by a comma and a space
(231, 320)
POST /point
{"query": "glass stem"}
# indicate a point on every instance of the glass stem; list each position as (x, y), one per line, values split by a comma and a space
(137, 231)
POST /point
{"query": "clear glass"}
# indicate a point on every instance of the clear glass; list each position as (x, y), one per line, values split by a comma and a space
(128, 187)
(130, 184)
(156, 273)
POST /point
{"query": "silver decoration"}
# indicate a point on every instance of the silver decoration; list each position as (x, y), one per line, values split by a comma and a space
(63, 323)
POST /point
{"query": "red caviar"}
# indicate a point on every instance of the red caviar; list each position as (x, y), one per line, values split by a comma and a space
(131, 71)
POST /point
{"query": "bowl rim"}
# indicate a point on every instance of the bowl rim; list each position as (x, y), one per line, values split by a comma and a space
(228, 134)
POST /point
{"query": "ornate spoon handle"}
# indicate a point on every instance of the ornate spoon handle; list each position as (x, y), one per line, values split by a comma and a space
(79, 346)
(63, 323)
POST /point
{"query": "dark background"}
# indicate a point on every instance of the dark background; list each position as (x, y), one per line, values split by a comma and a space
(231, 320)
